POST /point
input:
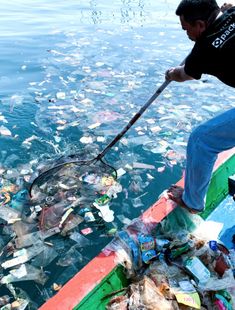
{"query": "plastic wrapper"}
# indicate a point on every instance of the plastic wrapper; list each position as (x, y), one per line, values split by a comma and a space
(145, 294)
(51, 217)
(118, 303)
(24, 255)
(177, 221)
(20, 201)
(216, 284)
(9, 215)
(22, 228)
(44, 258)
(122, 256)
(30, 239)
(72, 256)
(198, 270)
(231, 291)
(80, 239)
(159, 271)
(25, 272)
(138, 226)
(72, 222)
(4, 300)
(131, 247)
(113, 246)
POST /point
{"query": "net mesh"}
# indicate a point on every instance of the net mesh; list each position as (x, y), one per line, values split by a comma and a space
(70, 181)
(74, 185)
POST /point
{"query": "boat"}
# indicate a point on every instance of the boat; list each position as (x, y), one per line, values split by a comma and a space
(89, 288)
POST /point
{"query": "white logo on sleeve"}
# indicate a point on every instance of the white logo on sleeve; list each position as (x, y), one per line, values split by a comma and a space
(220, 40)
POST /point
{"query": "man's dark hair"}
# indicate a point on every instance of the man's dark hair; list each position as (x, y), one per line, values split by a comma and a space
(193, 10)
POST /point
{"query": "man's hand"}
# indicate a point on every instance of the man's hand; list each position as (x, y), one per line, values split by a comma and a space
(168, 74)
(226, 6)
(177, 74)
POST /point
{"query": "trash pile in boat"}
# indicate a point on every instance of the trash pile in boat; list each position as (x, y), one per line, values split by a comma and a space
(173, 268)
(54, 226)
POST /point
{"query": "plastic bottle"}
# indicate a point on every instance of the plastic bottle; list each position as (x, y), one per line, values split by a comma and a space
(197, 269)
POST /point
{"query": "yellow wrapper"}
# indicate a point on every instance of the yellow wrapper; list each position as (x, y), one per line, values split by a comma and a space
(189, 299)
(107, 181)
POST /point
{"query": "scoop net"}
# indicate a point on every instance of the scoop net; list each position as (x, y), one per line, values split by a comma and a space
(73, 180)
(70, 174)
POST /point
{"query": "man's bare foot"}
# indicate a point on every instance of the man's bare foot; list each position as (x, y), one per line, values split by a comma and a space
(175, 193)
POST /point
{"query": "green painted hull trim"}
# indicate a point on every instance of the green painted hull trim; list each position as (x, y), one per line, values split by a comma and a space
(116, 280)
(218, 188)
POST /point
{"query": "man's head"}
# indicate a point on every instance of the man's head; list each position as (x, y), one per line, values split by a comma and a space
(196, 15)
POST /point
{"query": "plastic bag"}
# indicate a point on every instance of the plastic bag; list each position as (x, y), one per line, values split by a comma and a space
(138, 226)
(145, 294)
(215, 284)
(177, 221)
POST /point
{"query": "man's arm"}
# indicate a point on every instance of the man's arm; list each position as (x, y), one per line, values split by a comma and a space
(177, 74)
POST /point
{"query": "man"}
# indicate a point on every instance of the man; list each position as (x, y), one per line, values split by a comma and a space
(213, 31)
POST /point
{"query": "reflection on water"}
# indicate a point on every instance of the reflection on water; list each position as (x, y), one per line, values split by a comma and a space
(27, 18)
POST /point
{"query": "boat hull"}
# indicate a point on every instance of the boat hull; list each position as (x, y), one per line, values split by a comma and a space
(88, 289)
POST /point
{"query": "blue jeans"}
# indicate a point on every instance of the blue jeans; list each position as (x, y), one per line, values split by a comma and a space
(204, 145)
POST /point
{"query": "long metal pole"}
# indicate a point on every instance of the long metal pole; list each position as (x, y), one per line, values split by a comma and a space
(134, 119)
